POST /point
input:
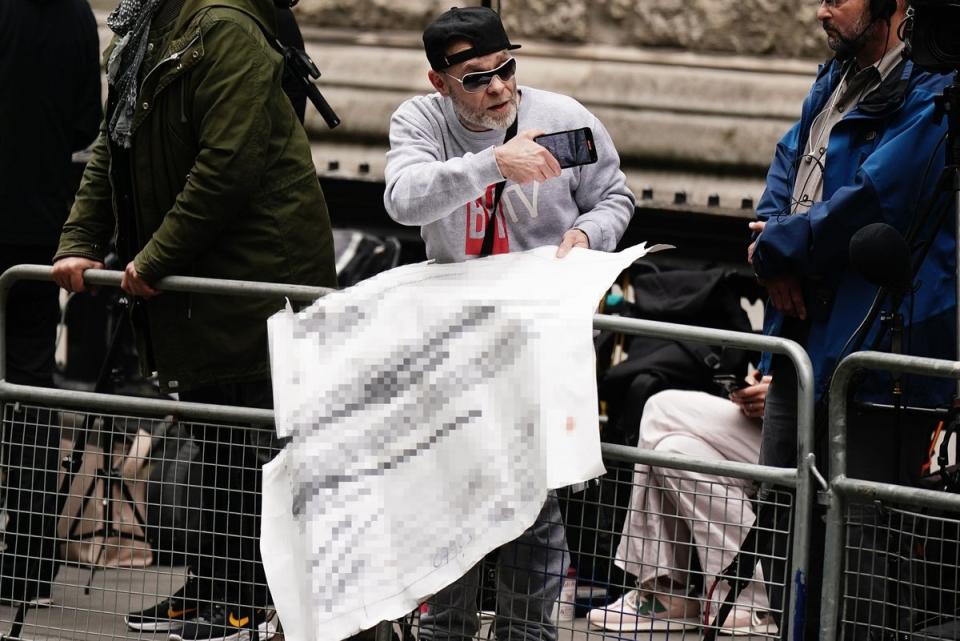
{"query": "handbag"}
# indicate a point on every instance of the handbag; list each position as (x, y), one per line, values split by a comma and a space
(174, 491)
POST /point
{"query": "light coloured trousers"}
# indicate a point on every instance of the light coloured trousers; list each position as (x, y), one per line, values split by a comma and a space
(674, 513)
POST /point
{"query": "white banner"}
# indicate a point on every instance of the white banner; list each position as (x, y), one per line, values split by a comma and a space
(430, 409)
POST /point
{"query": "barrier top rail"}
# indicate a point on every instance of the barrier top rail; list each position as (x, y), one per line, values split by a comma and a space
(185, 284)
(786, 477)
(101, 402)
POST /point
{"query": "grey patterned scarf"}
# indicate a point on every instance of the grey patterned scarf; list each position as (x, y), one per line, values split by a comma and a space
(131, 21)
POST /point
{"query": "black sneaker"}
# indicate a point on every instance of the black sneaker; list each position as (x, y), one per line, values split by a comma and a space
(170, 614)
(223, 623)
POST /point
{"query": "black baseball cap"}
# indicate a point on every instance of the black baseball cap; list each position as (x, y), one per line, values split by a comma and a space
(480, 26)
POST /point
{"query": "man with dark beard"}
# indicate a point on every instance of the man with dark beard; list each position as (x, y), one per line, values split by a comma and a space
(202, 169)
(447, 156)
(866, 150)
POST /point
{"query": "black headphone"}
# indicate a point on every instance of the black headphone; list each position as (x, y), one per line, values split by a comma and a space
(883, 9)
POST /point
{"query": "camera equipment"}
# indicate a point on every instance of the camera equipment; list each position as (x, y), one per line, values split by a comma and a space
(302, 68)
(933, 43)
(881, 255)
(931, 34)
(299, 66)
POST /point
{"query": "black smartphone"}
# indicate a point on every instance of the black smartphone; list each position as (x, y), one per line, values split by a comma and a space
(571, 148)
(730, 383)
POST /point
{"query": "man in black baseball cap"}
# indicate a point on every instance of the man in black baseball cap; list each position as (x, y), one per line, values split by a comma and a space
(479, 26)
(464, 166)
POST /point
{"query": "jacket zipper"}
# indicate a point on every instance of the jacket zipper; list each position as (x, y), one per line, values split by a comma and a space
(171, 58)
(183, 116)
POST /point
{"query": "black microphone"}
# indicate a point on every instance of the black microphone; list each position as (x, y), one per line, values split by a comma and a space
(880, 254)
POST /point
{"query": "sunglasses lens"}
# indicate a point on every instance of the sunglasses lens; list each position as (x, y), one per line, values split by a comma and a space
(475, 81)
(507, 70)
(480, 79)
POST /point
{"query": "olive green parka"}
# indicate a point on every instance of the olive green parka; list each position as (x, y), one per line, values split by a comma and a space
(218, 183)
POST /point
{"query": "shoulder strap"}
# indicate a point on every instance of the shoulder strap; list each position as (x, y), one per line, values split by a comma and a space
(487, 248)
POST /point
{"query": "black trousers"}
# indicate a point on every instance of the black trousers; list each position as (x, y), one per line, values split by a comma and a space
(33, 311)
(226, 556)
(31, 437)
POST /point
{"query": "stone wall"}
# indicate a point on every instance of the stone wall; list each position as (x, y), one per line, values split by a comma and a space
(782, 28)
(695, 93)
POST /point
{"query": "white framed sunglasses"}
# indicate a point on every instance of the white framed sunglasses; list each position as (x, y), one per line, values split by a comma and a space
(479, 80)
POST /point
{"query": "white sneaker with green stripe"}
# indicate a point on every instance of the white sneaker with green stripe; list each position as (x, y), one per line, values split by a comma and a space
(640, 611)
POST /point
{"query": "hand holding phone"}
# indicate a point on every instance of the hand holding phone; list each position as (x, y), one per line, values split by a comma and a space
(571, 148)
(730, 383)
(752, 399)
(521, 160)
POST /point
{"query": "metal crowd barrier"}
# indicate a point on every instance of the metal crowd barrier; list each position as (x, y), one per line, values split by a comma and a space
(129, 519)
(892, 557)
(136, 448)
(799, 482)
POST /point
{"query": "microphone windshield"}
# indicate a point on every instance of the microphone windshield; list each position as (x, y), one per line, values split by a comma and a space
(880, 254)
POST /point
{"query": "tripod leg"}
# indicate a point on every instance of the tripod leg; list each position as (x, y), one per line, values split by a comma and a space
(18, 618)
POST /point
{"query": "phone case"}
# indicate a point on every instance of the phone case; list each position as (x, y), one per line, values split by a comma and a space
(547, 140)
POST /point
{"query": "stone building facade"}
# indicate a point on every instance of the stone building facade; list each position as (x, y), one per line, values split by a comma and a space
(782, 28)
(694, 92)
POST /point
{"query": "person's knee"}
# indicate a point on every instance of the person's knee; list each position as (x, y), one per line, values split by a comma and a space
(659, 417)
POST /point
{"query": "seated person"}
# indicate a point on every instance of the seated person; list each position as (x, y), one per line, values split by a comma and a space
(676, 512)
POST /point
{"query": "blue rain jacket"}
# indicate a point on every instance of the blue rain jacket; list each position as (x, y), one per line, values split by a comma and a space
(884, 162)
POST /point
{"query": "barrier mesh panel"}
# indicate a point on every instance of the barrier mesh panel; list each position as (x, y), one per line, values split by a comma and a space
(901, 577)
(640, 551)
(106, 517)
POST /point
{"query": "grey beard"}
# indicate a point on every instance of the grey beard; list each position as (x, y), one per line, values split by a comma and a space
(482, 120)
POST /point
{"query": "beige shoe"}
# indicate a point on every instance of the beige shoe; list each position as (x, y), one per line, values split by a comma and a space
(641, 611)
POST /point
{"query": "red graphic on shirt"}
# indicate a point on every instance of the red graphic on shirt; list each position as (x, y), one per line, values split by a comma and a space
(478, 217)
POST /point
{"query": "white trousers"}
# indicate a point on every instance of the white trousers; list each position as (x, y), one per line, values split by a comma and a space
(674, 513)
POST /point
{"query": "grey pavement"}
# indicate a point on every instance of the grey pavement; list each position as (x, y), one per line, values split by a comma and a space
(91, 607)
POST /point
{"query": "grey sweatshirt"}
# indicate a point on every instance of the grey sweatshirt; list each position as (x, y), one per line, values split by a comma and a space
(441, 176)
